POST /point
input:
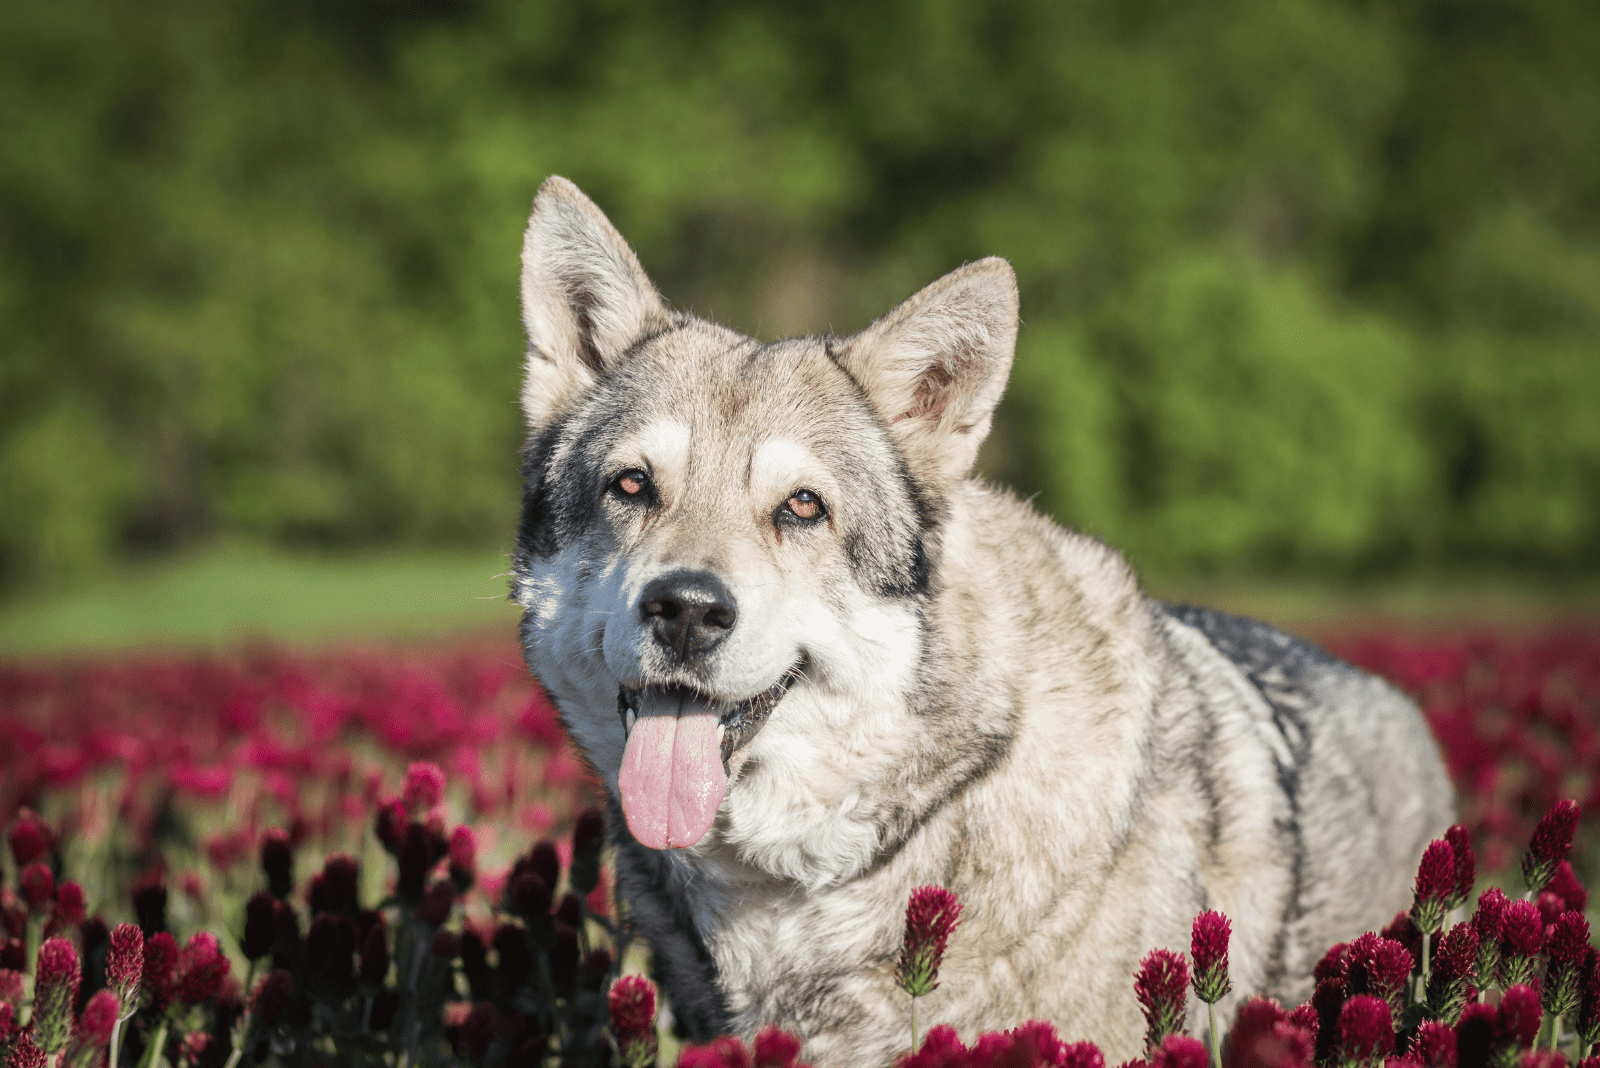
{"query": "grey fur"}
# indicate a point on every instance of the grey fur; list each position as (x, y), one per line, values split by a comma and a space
(976, 697)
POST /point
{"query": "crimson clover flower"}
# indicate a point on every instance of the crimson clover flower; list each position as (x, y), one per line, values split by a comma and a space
(631, 1003)
(1489, 922)
(150, 903)
(1378, 966)
(1264, 1036)
(1434, 1045)
(1521, 941)
(774, 1048)
(1435, 885)
(38, 886)
(160, 958)
(1563, 978)
(10, 989)
(1161, 985)
(202, 966)
(931, 914)
(424, 788)
(277, 862)
(125, 961)
(30, 838)
(70, 906)
(1552, 840)
(1542, 1058)
(1589, 1000)
(57, 973)
(193, 1046)
(1208, 945)
(437, 902)
(1453, 971)
(1366, 1030)
(463, 858)
(1180, 1051)
(1460, 840)
(271, 999)
(260, 925)
(1518, 1018)
(1564, 885)
(25, 1054)
(100, 1017)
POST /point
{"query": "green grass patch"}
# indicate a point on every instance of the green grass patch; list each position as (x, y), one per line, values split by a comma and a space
(227, 594)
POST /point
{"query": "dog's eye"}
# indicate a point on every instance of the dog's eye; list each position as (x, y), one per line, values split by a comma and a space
(632, 483)
(805, 505)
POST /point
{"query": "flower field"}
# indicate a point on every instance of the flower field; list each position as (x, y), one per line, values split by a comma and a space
(368, 856)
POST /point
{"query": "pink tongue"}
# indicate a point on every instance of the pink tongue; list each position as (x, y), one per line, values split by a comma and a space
(672, 779)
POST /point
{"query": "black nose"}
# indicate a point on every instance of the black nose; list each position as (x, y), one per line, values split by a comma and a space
(689, 611)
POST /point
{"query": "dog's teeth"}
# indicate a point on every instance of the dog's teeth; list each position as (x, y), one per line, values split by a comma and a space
(629, 721)
(721, 730)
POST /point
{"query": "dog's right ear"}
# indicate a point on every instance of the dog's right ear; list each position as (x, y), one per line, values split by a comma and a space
(585, 299)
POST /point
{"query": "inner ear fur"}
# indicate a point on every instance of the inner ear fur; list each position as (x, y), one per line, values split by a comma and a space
(585, 298)
(935, 367)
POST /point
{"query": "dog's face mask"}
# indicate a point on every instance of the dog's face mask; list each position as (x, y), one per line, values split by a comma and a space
(718, 533)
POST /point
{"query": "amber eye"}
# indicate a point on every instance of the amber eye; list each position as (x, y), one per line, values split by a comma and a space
(631, 483)
(805, 505)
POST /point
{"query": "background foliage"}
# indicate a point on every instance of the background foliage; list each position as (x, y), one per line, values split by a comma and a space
(1309, 286)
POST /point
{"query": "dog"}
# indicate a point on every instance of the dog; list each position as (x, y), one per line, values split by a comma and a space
(816, 666)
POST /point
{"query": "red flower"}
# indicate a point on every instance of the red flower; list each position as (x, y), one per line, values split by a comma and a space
(30, 838)
(1589, 999)
(202, 966)
(1434, 1045)
(1180, 1051)
(124, 961)
(463, 856)
(1378, 966)
(776, 1049)
(70, 906)
(160, 958)
(1435, 885)
(1366, 1029)
(724, 1052)
(1080, 1055)
(271, 998)
(38, 885)
(99, 1017)
(1263, 1036)
(1489, 922)
(931, 914)
(1563, 977)
(55, 989)
(1521, 941)
(1518, 1017)
(1543, 1058)
(1552, 840)
(25, 1054)
(1466, 865)
(424, 788)
(1161, 986)
(1564, 885)
(632, 1005)
(1208, 945)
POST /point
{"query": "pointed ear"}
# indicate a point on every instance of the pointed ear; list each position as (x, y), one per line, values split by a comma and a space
(935, 367)
(585, 299)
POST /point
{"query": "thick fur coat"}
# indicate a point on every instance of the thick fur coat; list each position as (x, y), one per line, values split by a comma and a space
(816, 667)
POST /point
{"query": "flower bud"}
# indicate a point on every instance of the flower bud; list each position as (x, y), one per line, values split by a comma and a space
(1435, 885)
(1518, 1018)
(160, 958)
(1552, 840)
(271, 999)
(424, 789)
(463, 858)
(55, 989)
(202, 966)
(125, 961)
(931, 915)
(1466, 865)
(99, 1017)
(277, 862)
(70, 906)
(1208, 945)
(1366, 1030)
(1162, 985)
(30, 839)
(260, 925)
(37, 885)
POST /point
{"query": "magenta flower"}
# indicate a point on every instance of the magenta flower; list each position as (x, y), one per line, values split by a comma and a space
(1434, 1045)
(1180, 1051)
(30, 838)
(70, 905)
(100, 1017)
(1466, 865)
(1588, 1021)
(10, 988)
(55, 989)
(1542, 1058)
(1435, 885)
(1208, 945)
(1489, 922)
(463, 858)
(931, 914)
(124, 961)
(1552, 840)
(271, 998)
(260, 925)
(424, 788)
(1518, 1018)
(1263, 1036)
(1563, 977)
(1564, 885)
(1162, 985)
(202, 966)
(632, 1006)
(1366, 1030)
(160, 958)
(1521, 942)
(776, 1049)
(729, 1052)
(1380, 967)
(24, 1054)
(1453, 972)
(38, 886)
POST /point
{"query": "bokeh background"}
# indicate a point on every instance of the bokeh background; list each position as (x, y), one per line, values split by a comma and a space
(1311, 288)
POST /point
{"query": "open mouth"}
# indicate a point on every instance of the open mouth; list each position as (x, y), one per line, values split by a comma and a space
(737, 723)
(675, 765)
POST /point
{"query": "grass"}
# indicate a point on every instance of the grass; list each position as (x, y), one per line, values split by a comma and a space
(231, 593)
(228, 594)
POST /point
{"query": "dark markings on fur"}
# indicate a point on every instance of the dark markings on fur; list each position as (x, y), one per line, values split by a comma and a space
(582, 300)
(1278, 665)
(658, 911)
(536, 531)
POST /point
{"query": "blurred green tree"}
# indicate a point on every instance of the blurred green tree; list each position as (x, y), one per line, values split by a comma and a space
(1308, 285)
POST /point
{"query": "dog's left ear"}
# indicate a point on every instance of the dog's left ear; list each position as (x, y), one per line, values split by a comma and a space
(935, 367)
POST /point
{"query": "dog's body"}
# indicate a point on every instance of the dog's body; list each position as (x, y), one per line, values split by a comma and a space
(816, 668)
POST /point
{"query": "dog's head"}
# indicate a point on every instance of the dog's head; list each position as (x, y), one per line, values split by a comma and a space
(714, 527)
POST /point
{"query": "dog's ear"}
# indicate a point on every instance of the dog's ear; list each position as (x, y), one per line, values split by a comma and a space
(585, 299)
(935, 367)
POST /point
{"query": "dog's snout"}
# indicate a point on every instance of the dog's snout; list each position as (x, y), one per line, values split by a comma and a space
(690, 612)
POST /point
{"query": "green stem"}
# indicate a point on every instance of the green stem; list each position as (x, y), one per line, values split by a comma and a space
(116, 1040)
(1426, 939)
(1216, 1057)
(152, 1052)
(913, 1025)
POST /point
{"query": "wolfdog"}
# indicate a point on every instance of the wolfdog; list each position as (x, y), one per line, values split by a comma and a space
(815, 667)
